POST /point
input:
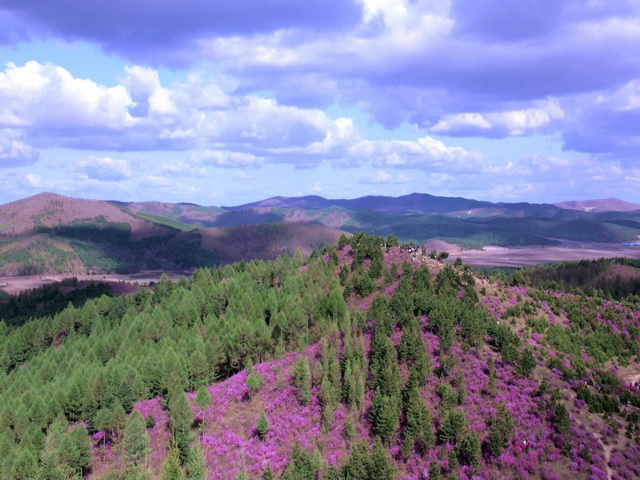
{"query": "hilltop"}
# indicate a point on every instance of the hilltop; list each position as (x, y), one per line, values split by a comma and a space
(356, 362)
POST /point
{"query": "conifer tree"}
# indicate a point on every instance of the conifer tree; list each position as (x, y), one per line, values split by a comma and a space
(302, 379)
(384, 416)
(136, 440)
(24, 465)
(527, 363)
(80, 445)
(118, 421)
(262, 427)
(203, 401)
(171, 469)
(328, 400)
(180, 420)
(453, 427)
(357, 464)
(253, 383)
(196, 468)
(434, 471)
(380, 466)
(349, 387)
(419, 425)
(198, 369)
(470, 449)
(500, 430)
(301, 465)
(51, 465)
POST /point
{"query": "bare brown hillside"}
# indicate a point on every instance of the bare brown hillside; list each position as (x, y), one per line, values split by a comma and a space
(22, 217)
(601, 205)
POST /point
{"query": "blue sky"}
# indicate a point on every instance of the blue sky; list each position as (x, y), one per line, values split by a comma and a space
(221, 103)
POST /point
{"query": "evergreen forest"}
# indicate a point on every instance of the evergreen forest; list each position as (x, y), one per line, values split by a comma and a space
(365, 360)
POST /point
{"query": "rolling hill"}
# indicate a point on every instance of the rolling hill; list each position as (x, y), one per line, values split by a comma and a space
(50, 233)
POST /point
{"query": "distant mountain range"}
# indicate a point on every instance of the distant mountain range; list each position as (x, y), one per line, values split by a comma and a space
(50, 233)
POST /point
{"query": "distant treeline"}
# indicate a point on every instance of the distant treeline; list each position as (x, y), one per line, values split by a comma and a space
(603, 276)
(48, 300)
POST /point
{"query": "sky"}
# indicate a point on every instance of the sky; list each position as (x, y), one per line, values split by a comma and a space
(228, 102)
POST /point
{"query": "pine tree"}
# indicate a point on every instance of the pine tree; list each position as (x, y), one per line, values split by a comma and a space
(199, 375)
(262, 427)
(453, 427)
(203, 401)
(384, 416)
(24, 466)
(419, 425)
(527, 363)
(349, 386)
(171, 469)
(470, 449)
(196, 468)
(380, 466)
(180, 420)
(79, 449)
(253, 383)
(561, 419)
(302, 379)
(301, 465)
(357, 464)
(500, 430)
(118, 421)
(136, 440)
(434, 471)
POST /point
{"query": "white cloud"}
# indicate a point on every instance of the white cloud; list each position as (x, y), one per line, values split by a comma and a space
(48, 96)
(14, 151)
(510, 192)
(381, 176)
(500, 124)
(226, 159)
(105, 168)
(424, 152)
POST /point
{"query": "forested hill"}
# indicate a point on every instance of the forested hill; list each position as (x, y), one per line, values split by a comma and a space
(356, 362)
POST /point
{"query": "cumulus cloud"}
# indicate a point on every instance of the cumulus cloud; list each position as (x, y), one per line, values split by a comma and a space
(54, 109)
(424, 152)
(500, 124)
(464, 68)
(105, 168)
(14, 151)
(226, 159)
(383, 177)
(48, 97)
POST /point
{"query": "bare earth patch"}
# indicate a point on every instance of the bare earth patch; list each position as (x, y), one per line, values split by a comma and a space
(492, 256)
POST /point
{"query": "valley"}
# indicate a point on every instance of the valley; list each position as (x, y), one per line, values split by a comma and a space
(491, 256)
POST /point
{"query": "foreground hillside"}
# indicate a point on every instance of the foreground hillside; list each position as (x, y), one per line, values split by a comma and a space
(358, 362)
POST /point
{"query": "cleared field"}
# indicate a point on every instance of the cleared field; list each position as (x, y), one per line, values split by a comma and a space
(526, 256)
